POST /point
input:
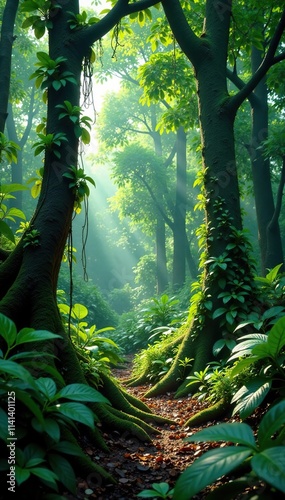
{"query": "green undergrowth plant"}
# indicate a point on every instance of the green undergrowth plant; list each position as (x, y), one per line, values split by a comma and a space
(37, 413)
(9, 214)
(96, 352)
(159, 490)
(262, 457)
(153, 320)
(265, 355)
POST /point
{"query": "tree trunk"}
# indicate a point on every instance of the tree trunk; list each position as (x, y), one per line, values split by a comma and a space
(179, 234)
(162, 275)
(226, 264)
(6, 44)
(269, 234)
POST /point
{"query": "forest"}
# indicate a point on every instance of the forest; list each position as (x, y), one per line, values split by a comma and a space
(142, 236)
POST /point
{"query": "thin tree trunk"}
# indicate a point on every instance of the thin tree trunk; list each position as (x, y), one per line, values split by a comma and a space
(269, 237)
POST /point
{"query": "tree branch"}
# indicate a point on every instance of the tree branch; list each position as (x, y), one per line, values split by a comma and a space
(192, 46)
(267, 62)
(85, 38)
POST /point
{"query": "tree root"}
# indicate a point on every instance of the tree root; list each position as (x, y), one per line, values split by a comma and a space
(118, 420)
(118, 399)
(213, 412)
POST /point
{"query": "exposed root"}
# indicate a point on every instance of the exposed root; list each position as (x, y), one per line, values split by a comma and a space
(213, 412)
(118, 399)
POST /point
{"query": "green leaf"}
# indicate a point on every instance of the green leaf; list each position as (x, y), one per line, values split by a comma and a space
(46, 475)
(147, 494)
(79, 311)
(28, 335)
(21, 475)
(207, 469)
(6, 231)
(235, 432)
(75, 411)
(16, 370)
(46, 386)
(56, 84)
(81, 392)
(269, 465)
(250, 396)
(68, 448)
(218, 312)
(7, 330)
(276, 337)
(85, 136)
(63, 470)
(28, 401)
(273, 420)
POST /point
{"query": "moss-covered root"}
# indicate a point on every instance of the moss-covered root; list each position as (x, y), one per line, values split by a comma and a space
(194, 346)
(136, 381)
(118, 399)
(114, 419)
(217, 410)
(136, 402)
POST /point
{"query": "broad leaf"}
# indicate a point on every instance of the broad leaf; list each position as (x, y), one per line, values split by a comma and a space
(21, 475)
(7, 329)
(46, 475)
(250, 396)
(207, 469)
(28, 335)
(6, 231)
(269, 465)
(81, 392)
(276, 337)
(273, 420)
(238, 433)
(76, 411)
(68, 448)
(46, 386)
(64, 471)
(16, 370)
(28, 401)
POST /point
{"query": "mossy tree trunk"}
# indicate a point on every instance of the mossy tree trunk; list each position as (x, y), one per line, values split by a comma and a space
(226, 261)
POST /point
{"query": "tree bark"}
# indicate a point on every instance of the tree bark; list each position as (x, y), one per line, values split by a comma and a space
(6, 45)
(269, 236)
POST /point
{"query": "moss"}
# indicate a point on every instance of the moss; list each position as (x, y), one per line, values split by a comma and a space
(117, 420)
(213, 412)
(116, 396)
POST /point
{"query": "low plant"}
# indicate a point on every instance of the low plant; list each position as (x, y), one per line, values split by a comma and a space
(159, 490)
(95, 351)
(265, 354)
(38, 414)
(263, 457)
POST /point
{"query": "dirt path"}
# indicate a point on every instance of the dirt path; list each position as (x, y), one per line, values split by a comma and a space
(136, 465)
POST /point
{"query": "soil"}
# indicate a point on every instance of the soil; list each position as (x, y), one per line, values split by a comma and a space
(136, 465)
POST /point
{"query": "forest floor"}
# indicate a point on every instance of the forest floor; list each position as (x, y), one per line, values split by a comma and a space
(136, 465)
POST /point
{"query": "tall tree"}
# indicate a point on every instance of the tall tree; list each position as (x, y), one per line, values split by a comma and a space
(227, 291)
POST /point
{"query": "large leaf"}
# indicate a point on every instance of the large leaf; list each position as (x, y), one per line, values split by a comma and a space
(79, 311)
(235, 432)
(16, 370)
(21, 475)
(63, 470)
(68, 448)
(276, 337)
(81, 392)
(207, 469)
(7, 329)
(46, 475)
(28, 335)
(250, 396)
(76, 411)
(46, 386)
(6, 231)
(273, 420)
(269, 465)
(28, 401)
